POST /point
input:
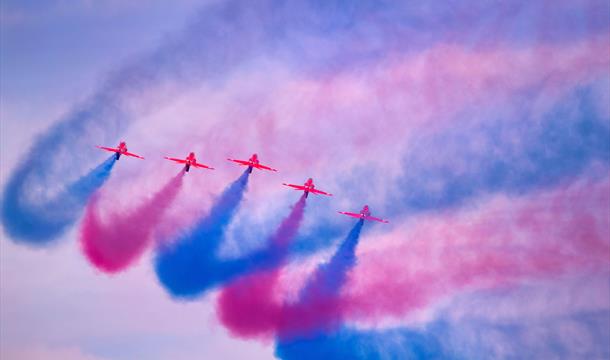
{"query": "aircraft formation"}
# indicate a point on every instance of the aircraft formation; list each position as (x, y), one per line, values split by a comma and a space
(252, 163)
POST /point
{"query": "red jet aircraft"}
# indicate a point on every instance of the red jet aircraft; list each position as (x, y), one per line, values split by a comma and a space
(189, 161)
(120, 150)
(252, 163)
(364, 214)
(308, 187)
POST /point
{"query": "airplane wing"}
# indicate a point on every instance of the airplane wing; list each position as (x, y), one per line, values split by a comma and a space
(349, 214)
(263, 167)
(296, 187)
(181, 161)
(240, 162)
(376, 219)
(134, 155)
(108, 148)
(202, 166)
(320, 192)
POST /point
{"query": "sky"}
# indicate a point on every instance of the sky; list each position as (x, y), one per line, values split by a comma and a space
(480, 130)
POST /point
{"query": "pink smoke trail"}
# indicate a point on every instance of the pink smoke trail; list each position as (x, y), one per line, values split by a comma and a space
(113, 246)
(245, 306)
(506, 242)
(318, 307)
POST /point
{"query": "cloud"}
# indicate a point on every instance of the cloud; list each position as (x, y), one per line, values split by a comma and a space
(43, 352)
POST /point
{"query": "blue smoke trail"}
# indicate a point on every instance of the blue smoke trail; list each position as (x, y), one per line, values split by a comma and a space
(191, 266)
(464, 339)
(186, 267)
(329, 278)
(365, 345)
(38, 223)
(567, 140)
(317, 308)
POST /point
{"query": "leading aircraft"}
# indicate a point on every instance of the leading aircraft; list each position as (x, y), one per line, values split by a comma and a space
(365, 214)
(189, 161)
(252, 163)
(120, 150)
(308, 187)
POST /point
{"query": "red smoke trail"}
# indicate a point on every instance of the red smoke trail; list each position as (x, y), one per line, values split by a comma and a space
(317, 308)
(246, 306)
(113, 246)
